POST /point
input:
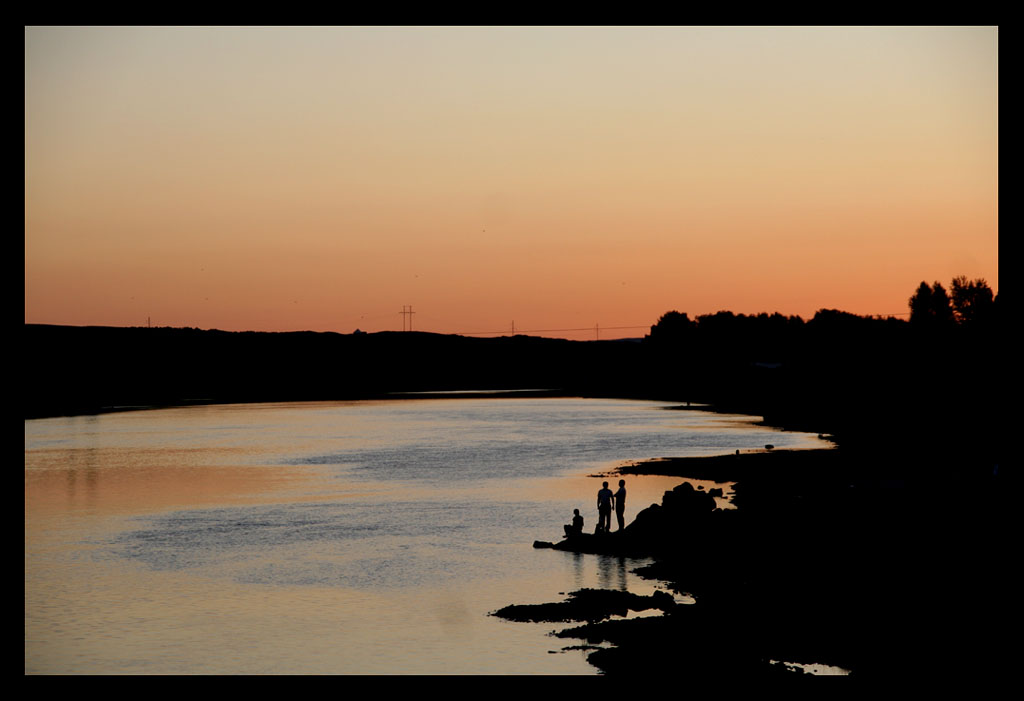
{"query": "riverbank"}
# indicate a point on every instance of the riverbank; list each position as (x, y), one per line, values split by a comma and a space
(870, 565)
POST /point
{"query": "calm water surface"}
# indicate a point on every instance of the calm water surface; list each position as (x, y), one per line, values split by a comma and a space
(341, 537)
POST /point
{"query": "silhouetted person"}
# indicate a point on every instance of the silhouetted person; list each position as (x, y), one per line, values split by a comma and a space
(604, 509)
(576, 527)
(620, 504)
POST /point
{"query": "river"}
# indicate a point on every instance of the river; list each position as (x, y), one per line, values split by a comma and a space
(367, 537)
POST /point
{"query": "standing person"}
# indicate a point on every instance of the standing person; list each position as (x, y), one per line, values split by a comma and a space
(620, 504)
(604, 509)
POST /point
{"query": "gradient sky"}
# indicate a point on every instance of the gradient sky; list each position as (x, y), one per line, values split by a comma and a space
(281, 179)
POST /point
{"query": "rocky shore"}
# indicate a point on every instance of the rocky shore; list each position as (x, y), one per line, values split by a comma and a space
(880, 566)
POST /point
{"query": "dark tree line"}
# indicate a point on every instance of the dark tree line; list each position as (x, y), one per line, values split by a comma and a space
(770, 337)
(930, 384)
(969, 302)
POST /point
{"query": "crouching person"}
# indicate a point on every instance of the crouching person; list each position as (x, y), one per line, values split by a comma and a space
(576, 527)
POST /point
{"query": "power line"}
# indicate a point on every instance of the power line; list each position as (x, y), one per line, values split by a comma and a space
(596, 328)
(407, 314)
(431, 322)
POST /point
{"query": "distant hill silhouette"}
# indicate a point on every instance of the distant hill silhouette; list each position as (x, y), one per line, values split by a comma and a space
(872, 382)
(89, 369)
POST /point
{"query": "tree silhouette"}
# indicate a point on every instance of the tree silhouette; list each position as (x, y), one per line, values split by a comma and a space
(972, 300)
(930, 306)
(672, 327)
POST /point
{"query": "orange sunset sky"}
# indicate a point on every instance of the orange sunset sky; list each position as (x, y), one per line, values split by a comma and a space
(282, 179)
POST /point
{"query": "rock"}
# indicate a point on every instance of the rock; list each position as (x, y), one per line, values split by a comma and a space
(588, 605)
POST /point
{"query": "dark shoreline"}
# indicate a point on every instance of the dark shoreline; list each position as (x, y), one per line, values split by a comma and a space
(52, 412)
(866, 563)
(838, 556)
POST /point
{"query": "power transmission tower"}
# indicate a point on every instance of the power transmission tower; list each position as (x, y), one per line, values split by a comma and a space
(407, 312)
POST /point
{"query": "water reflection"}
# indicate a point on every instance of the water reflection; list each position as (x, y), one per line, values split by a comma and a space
(328, 537)
(577, 560)
(611, 572)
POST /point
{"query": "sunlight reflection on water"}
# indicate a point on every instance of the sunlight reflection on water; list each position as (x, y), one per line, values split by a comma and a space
(331, 537)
